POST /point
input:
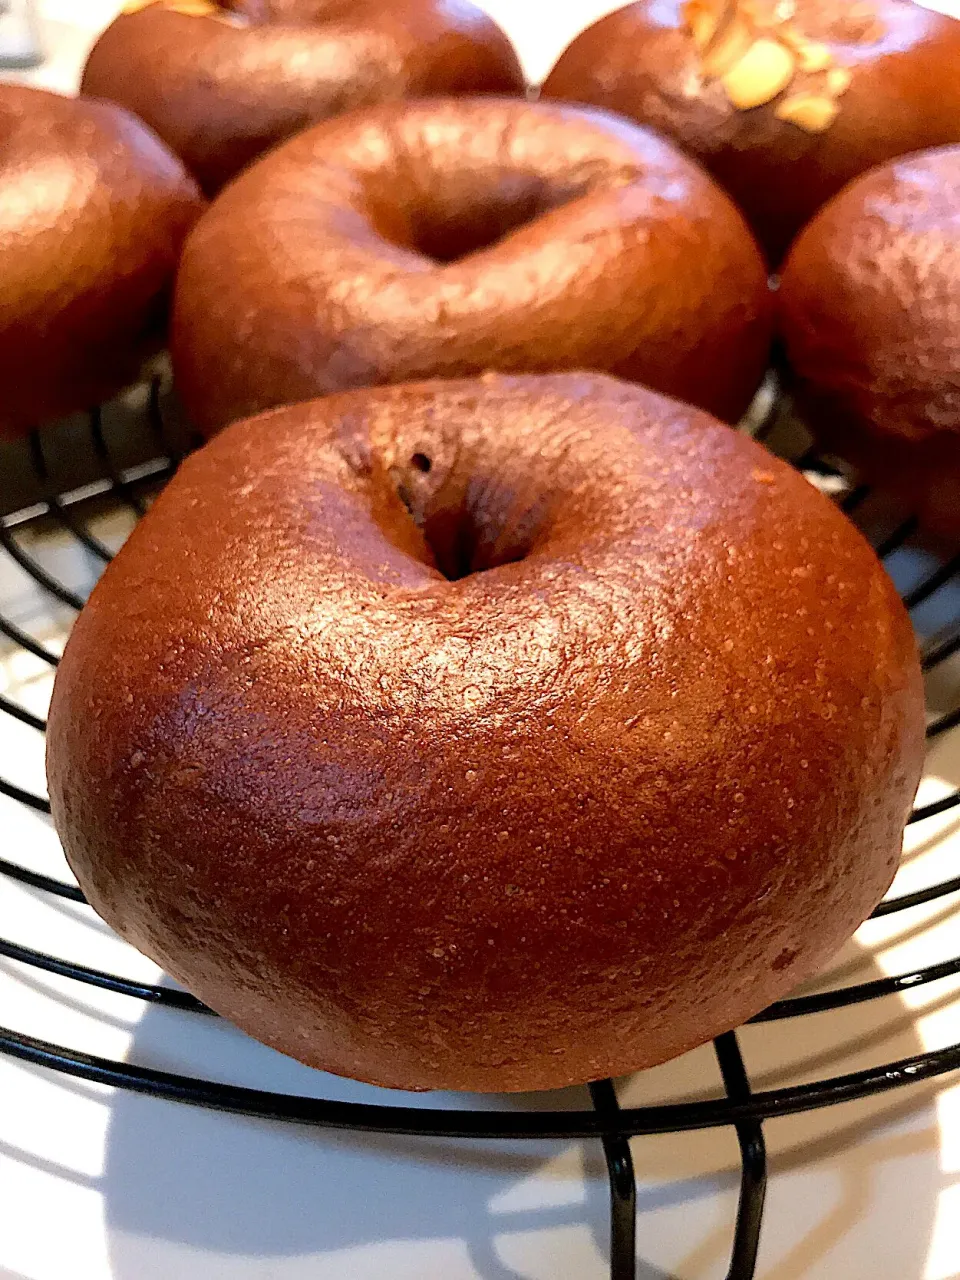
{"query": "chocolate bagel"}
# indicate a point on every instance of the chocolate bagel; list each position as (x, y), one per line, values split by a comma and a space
(93, 213)
(784, 104)
(495, 735)
(446, 238)
(223, 82)
(869, 309)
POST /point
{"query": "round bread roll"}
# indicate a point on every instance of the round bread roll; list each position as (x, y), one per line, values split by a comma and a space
(869, 310)
(492, 735)
(223, 82)
(783, 103)
(93, 213)
(450, 237)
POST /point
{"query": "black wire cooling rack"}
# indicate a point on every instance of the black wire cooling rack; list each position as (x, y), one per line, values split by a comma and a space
(738, 1106)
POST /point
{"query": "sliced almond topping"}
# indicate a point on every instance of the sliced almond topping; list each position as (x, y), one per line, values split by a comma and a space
(770, 13)
(814, 57)
(808, 111)
(755, 49)
(811, 54)
(764, 71)
(190, 9)
(703, 19)
(193, 8)
(728, 49)
(791, 37)
(839, 80)
(703, 28)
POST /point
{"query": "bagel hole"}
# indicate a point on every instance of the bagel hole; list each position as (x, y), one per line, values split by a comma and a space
(460, 538)
(446, 231)
(461, 547)
(469, 518)
(451, 241)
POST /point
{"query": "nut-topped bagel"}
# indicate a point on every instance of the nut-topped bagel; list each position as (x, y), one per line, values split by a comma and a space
(783, 103)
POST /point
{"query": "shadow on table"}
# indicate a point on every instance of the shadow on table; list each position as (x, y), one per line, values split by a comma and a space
(193, 1193)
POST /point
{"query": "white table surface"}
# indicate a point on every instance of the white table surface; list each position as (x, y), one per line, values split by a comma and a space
(97, 1184)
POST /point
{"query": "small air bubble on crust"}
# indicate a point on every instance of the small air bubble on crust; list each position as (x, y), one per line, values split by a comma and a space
(784, 959)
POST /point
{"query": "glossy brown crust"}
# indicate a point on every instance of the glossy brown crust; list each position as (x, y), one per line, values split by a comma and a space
(567, 816)
(870, 314)
(220, 96)
(93, 213)
(904, 95)
(344, 260)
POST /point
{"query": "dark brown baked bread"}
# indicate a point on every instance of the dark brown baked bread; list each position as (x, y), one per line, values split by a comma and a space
(222, 82)
(492, 735)
(446, 238)
(870, 314)
(93, 213)
(784, 104)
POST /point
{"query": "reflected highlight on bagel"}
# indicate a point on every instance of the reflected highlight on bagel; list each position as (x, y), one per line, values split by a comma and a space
(224, 82)
(93, 213)
(783, 103)
(869, 309)
(450, 237)
(494, 734)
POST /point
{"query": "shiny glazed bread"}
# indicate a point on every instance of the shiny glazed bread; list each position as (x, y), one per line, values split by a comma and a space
(495, 735)
(449, 237)
(869, 310)
(784, 104)
(224, 82)
(93, 213)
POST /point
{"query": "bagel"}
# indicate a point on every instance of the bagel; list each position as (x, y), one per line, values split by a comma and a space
(221, 83)
(868, 309)
(93, 213)
(449, 237)
(494, 735)
(784, 104)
